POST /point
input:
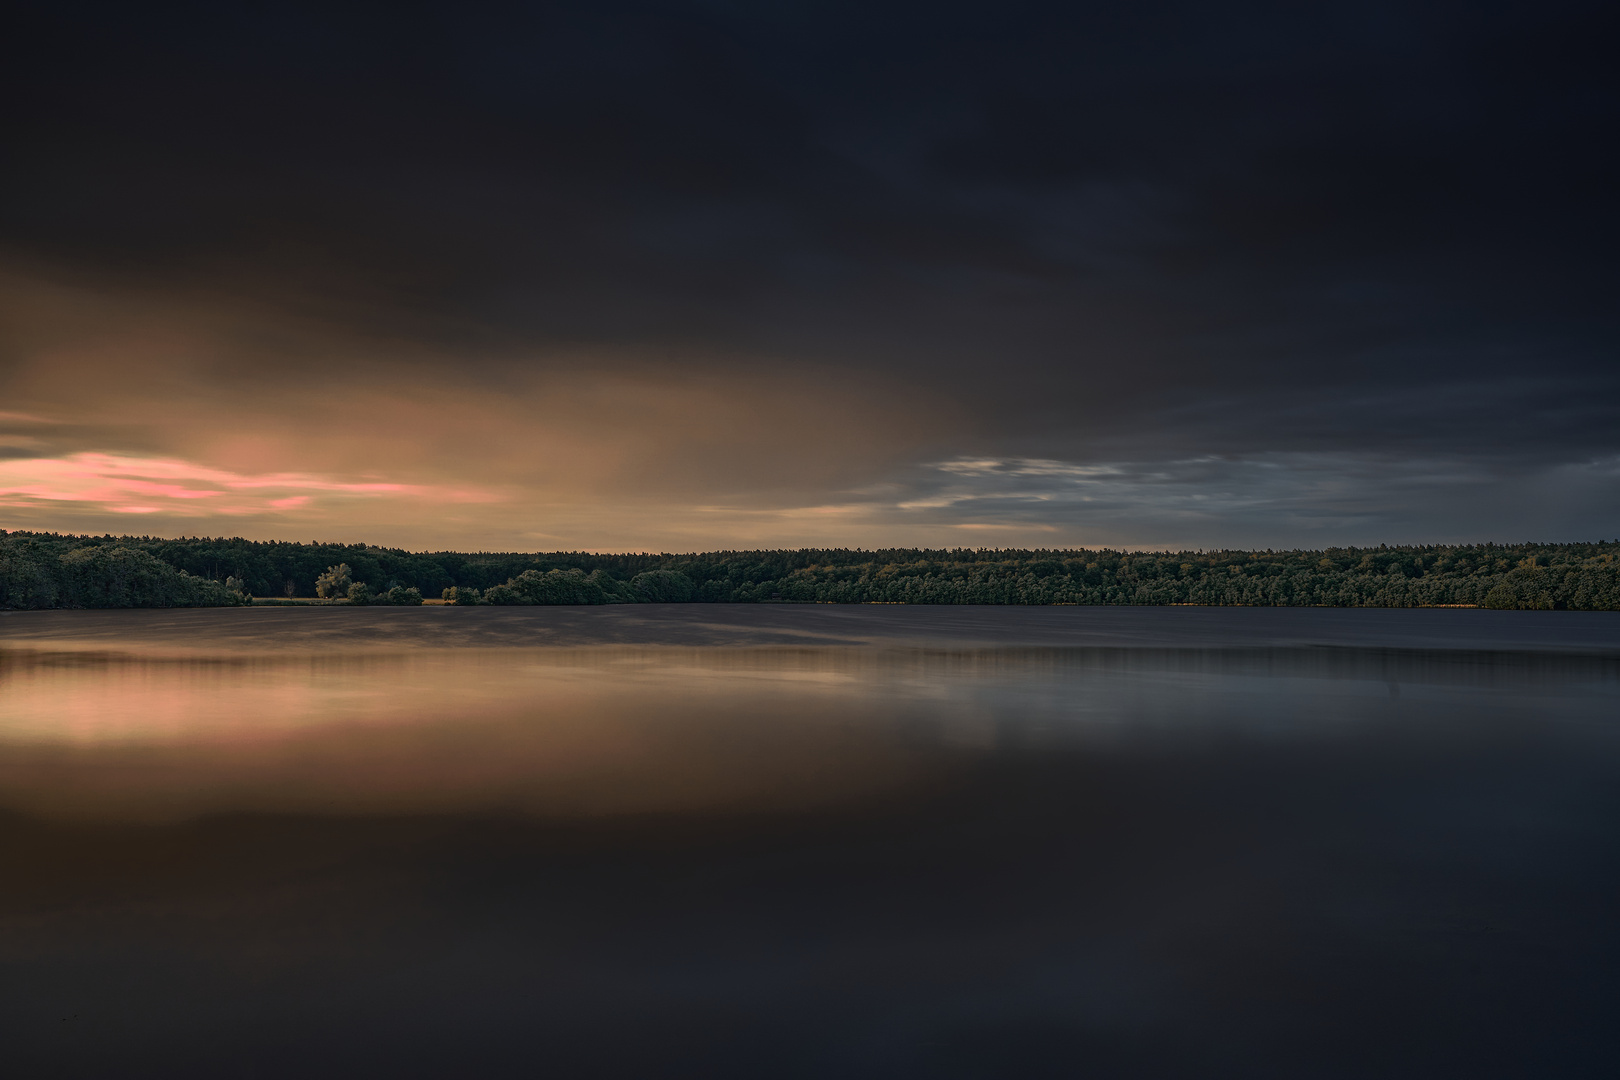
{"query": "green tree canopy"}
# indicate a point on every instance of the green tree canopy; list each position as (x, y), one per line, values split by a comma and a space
(335, 582)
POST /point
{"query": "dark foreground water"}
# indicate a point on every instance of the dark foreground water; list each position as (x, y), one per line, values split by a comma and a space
(797, 841)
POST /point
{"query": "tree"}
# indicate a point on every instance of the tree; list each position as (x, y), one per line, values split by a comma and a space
(553, 587)
(664, 586)
(335, 582)
(399, 594)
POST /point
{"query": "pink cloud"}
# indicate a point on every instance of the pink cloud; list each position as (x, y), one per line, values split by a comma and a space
(134, 485)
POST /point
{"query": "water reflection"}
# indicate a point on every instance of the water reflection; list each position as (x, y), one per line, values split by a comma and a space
(664, 729)
(919, 857)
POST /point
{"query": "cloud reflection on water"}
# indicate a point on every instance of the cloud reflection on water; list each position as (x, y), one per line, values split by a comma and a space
(660, 729)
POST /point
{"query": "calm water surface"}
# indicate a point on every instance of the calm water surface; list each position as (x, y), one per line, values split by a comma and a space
(810, 841)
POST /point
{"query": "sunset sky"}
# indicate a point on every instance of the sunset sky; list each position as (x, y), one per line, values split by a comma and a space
(682, 276)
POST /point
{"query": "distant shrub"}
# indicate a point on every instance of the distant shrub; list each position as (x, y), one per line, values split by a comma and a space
(461, 595)
(360, 593)
(664, 587)
(504, 594)
(401, 595)
(614, 591)
(1518, 592)
(335, 582)
(552, 587)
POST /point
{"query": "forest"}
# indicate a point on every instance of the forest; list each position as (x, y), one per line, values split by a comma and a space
(51, 570)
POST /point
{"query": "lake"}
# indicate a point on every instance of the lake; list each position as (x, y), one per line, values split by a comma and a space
(809, 841)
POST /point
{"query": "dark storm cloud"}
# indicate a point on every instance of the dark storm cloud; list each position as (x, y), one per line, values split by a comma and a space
(1369, 238)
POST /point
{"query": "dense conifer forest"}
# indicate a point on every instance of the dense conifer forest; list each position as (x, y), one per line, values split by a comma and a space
(49, 570)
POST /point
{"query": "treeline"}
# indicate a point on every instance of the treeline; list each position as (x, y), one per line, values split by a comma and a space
(50, 570)
(574, 586)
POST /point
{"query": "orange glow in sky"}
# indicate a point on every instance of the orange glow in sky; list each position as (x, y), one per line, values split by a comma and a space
(114, 483)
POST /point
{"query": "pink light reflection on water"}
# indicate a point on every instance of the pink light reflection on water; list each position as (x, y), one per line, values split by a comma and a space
(593, 731)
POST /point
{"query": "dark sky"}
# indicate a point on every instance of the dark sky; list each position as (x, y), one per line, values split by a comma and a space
(703, 275)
